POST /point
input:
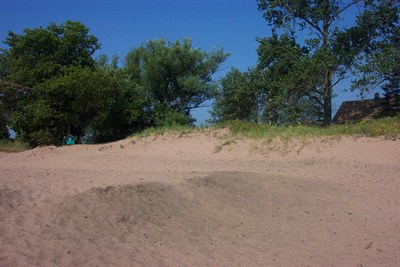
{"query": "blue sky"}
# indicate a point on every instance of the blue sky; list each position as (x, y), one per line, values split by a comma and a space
(122, 25)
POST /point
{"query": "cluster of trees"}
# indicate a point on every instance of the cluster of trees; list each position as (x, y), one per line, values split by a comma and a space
(294, 83)
(51, 86)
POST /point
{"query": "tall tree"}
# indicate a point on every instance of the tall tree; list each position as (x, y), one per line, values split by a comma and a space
(43, 80)
(175, 78)
(379, 64)
(320, 17)
(280, 90)
(289, 81)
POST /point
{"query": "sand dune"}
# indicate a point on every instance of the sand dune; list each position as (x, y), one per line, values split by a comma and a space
(181, 201)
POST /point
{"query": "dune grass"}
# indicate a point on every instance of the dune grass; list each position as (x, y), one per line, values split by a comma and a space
(282, 137)
(385, 127)
(178, 130)
(12, 146)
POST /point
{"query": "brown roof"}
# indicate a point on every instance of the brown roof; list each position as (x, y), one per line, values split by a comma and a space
(353, 111)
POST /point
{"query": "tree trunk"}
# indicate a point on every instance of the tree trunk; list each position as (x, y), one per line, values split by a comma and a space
(328, 72)
(328, 97)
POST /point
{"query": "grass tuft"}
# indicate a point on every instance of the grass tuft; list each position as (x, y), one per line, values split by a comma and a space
(12, 146)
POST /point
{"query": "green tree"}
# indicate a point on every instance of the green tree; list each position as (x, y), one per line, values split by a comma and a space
(62, 105)
(379, 64)
(280, 90)
(123, 113)
(334, 49)
(237, 97)
(45, 88)
(42, 53)
(175, 78)
(289, 81)
(392, 87)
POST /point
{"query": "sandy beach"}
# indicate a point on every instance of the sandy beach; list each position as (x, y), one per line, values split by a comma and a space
(188, 201)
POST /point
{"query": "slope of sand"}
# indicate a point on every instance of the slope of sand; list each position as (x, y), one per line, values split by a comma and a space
(181, 201)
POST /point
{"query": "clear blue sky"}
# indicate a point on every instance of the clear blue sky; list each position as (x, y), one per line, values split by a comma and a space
(122, 25)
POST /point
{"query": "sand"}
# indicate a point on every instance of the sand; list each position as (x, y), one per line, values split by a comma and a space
(184, 201)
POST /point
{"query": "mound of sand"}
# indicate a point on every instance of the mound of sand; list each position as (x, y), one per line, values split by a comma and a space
(171, 201)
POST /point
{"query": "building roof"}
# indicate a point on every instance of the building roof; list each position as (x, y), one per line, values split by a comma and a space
(357, 110)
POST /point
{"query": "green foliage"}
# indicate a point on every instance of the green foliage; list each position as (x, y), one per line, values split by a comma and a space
(333, 50)
(280, 90)
(42, 53)
(237, 98)
(62, 104)
(175, 78)
(3, 127)
(5, 100)
(103, 61)
(379, 65)
(123, 113)
(4, 62)
(290, 86)
(3, 120)
(51, 86)
(166, 116)
(11, 96)
(43, 76)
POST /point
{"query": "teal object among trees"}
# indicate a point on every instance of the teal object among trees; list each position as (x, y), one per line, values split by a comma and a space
(70, 140)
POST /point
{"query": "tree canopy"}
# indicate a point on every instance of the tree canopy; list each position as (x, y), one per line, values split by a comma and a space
(279, 90)
(237, 98)
(379, 64)
(175, 78)
(51, 86)
(334, 49)
(44, 87)
(42, 53)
